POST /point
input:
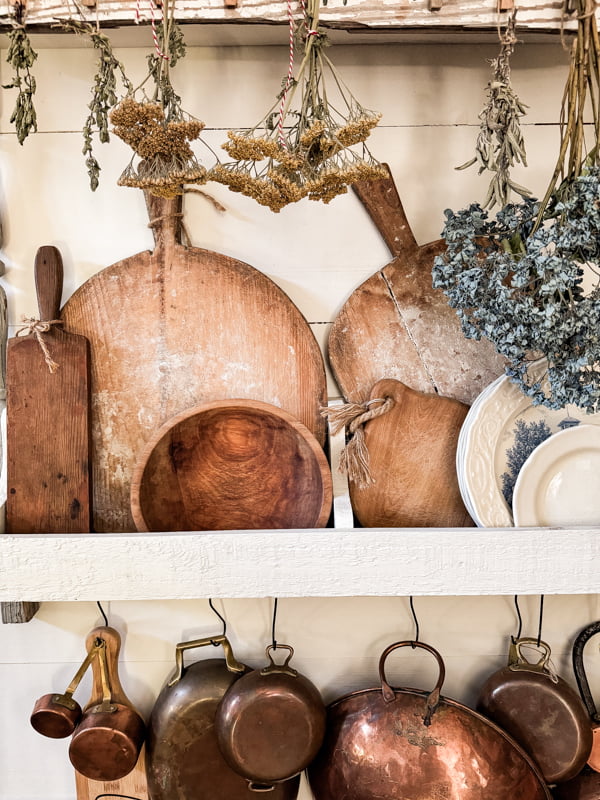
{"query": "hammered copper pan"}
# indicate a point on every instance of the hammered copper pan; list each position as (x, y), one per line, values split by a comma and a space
(183, 760)
(410, 744)
(540, 710)
(271, 722)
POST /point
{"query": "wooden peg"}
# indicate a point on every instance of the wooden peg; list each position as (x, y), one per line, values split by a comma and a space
(435, 5)
(505, 5)
(231, 4)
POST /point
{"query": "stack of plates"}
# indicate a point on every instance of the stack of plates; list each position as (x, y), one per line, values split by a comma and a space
(500, 432)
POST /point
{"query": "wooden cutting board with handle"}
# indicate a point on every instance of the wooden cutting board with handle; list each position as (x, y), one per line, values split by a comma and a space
(134, 784)
(412, 449)
(48, 447)
(177, 327)
(395, 325)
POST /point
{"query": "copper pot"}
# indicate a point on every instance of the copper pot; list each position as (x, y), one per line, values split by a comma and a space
(107, 741)
(56, 715)
(524, 696)
(183, 759)
(409, 744)
(271, 722)
(585, 786)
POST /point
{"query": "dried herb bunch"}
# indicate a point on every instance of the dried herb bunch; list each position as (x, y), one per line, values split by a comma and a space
(21, 56)
(104, 92)
(529, 280)
(156, 127)
(307, 148)
(500, 144)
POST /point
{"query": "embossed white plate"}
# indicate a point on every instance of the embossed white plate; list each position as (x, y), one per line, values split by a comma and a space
(559, 484)
(501, 430)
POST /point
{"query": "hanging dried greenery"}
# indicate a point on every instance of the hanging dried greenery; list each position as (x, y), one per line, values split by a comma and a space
(104, 92)
(155, 126)
(304, 146)
(21, 57)
(500, 144)
(518, 280)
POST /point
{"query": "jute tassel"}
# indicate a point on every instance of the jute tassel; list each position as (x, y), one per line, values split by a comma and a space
(354, 458)
(37, 327)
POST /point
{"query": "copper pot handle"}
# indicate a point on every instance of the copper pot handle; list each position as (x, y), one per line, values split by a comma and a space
(578, 669)
(433, 699)
(233, 665)
(283, 669)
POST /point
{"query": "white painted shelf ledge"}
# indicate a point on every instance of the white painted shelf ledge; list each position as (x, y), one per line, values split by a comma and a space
(325, 562)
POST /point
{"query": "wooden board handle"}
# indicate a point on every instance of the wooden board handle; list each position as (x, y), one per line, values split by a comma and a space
(48, 281)
(165, 215)
(383, 204)
(112, 639)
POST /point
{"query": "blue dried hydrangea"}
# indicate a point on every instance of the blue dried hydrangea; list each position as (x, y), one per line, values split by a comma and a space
(521, 287)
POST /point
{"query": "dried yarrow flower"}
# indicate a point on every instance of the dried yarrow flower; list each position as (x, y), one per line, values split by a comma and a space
(303, 149)
(156, 128)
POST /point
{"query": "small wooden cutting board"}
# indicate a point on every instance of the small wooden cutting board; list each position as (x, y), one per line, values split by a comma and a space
(48, 445)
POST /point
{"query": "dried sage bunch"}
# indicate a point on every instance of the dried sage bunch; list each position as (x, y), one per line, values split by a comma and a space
(21, 56)
(304, 146)
(104, 92)
(155, 126)
(500, 144)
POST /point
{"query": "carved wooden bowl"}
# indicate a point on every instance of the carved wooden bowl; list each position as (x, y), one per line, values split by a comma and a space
(231, 465)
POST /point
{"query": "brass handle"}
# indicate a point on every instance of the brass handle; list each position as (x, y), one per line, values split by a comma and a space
(279, 668)
(233, 665)
(517, 661)
(433, 698)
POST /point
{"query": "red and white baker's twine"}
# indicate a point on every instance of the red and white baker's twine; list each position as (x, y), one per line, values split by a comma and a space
(290, 77)
(138, 17)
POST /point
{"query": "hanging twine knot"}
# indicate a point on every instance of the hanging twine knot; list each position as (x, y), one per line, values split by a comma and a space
(354, 458)
(38, 327)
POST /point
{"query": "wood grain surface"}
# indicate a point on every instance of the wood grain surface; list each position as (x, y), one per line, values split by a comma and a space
(412, 452)
(48, 420)
(231, 465)
(177, 327)
(395, 325)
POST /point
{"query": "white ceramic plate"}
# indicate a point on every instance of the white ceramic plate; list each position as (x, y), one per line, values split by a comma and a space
(559, 484)
(500, 434)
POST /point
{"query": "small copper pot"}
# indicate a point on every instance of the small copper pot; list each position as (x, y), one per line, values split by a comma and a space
(270, 723)
(107, 741)
(56, 715)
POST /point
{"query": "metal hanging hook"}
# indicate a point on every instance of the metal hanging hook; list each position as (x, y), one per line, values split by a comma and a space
(105, 618)
(220, 616)
(541, 619)
(416, 621)
(274, 641)
(520, 618)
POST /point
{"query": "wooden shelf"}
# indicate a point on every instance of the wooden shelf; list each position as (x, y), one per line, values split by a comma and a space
(326, 562)
(260, 22)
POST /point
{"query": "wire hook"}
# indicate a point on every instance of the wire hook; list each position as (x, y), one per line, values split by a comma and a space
(210, 603)
(541, 619)
(99, 604)
(273, 625)
(520, 618)
(416, 621)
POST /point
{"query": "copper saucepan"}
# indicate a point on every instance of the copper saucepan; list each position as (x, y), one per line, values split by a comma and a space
(271, 722)
(409, 744)
(524, 696)
(56, 715)
(107, 741)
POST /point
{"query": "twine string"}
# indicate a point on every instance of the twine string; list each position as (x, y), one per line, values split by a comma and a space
(37, 327)
(138, 18)
(289, 79)
(354, 458)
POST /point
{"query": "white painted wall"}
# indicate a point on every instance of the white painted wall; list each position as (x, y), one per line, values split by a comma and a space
(430, 96)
